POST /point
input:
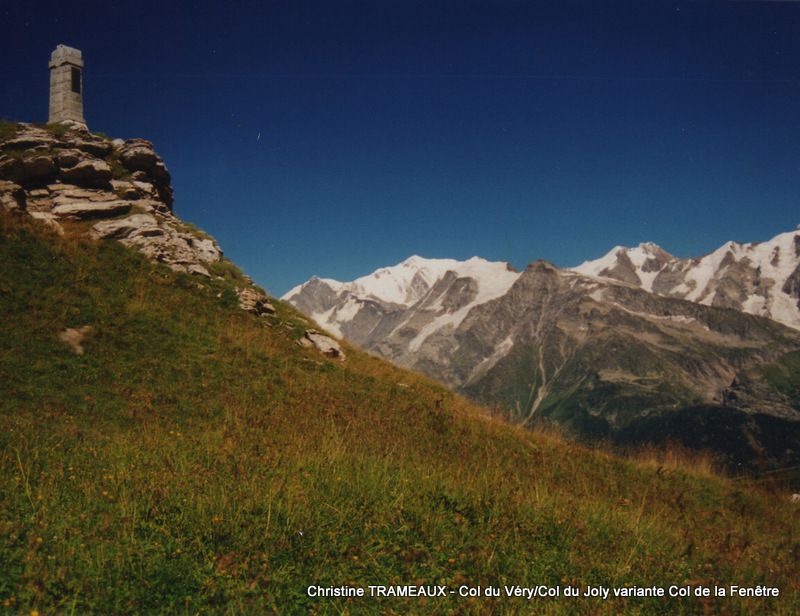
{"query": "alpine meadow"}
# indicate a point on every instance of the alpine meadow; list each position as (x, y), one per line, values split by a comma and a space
(377, 307)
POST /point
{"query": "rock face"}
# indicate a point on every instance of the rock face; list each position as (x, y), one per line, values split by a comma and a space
(87, 173)
(12, 197)
(27, 170)
(324, 344)
(55, 173)
(92, 209)
(255, 302)
(598, 355)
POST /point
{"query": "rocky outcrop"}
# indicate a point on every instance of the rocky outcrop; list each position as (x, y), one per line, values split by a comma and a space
(12, 196)
(153, 236)
(138, 155)
(37, 156)
(86, 173)
(127, 228)
(57, 174)
(28, 170)
(74, 337)
(255, 302)
(92, 209)
(324, 344)
(791, 286)
(62, 175)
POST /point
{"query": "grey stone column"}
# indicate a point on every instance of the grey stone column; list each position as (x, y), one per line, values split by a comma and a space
(66, 86)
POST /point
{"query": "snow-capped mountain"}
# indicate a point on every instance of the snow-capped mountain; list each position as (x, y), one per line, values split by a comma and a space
(758, 278)
(630, 344)
(347, 308)
(638, 266)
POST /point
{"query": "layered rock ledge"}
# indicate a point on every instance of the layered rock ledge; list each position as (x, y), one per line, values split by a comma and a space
(55, 173)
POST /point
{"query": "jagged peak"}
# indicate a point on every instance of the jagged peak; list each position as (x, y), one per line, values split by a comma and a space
(414, 260)
(541, 265)
(652, 247)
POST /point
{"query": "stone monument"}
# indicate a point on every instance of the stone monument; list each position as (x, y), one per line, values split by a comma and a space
(66, 86)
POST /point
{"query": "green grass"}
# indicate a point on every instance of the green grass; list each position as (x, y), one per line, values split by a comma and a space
(58, 131)
(196, 459)
(118, 170)
(187, 227)
(228, 271)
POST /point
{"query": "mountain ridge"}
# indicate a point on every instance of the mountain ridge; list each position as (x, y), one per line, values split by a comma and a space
(756, 277)
(592, 350)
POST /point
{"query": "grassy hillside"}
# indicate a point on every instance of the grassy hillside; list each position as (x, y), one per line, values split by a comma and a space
(196, 459)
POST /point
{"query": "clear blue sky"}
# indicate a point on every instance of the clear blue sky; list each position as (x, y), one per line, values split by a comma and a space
(509, 130)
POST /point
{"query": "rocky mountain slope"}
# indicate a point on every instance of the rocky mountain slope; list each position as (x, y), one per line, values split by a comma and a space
(594, 352)
(55, 173)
